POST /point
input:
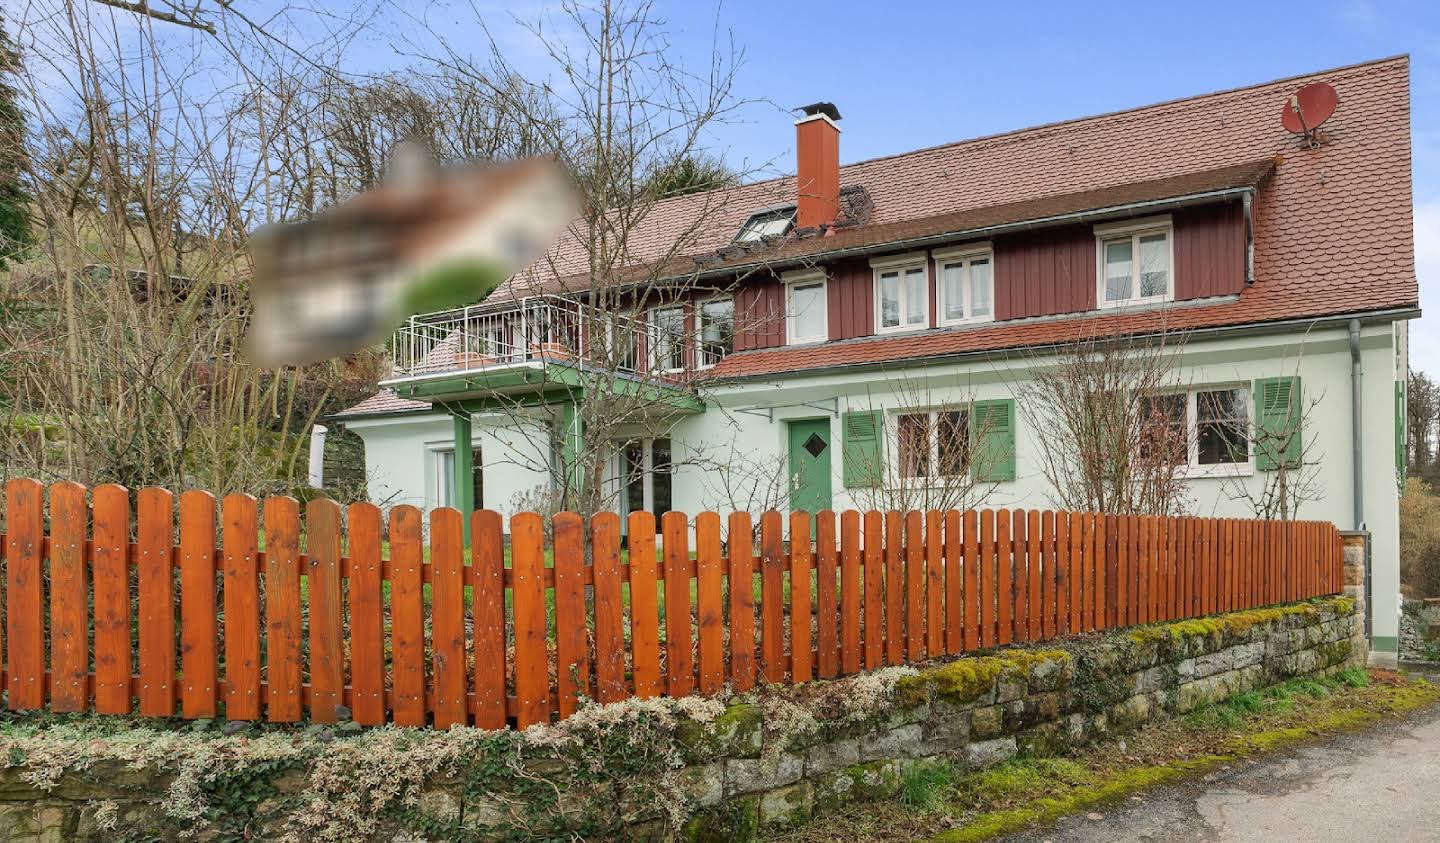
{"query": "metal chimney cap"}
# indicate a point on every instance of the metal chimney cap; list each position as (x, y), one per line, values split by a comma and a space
(826, 108)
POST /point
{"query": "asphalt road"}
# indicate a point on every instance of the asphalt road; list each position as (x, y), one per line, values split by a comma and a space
(1377, 786)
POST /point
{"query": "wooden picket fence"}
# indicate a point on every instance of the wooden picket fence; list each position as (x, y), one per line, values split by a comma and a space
(107, 609)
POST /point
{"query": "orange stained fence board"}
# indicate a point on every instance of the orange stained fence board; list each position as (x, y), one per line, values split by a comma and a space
(850, 594)
(609, 613)
(199, 631)
(827, 598)
(154, 541)
(894, 590)
(644, 605)
(571, 621)
(447, 617)
(283, 631)
(407, 616)
(327, 646)
(710, 601)
(741, 580)
(801, 669)
(914, 586)
(873, 577)
(69, 599)
(970, 575)
(367, 615)
(934, 585)
(242, 608)
(527, 559)
(25, 594)
(954, 564)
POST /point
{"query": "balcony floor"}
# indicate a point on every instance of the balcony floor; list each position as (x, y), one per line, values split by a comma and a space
(536, 382)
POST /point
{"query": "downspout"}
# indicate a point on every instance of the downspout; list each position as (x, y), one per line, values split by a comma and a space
(1356, 459)
(1248, 201)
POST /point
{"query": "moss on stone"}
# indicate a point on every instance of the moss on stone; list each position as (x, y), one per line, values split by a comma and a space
(1018, 781)
(735, 732)
(738, 819)
(1237, 623)
(869, 782)
(967, 679)
(1049, 809)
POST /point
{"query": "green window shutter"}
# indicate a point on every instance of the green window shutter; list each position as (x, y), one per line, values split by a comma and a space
(992, 432)
(863, 448)
(1400, 434)
(1277, 423)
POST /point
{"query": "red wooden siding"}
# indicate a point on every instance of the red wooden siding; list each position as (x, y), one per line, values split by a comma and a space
(850, 297)
(1037, 273)
(1045, 272)
(759, 314)
(1209, 251)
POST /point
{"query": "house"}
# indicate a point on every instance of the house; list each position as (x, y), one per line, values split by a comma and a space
(892, 312)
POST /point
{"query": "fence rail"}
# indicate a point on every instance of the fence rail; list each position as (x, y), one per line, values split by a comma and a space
(149, 610)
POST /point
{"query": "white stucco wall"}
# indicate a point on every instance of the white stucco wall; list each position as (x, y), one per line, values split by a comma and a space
(401, 465)
(398, 450)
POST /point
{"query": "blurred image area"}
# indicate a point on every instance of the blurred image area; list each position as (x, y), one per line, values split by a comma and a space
(427, 238)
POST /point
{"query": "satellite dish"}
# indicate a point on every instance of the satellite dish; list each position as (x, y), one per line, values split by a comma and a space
(1307, 108)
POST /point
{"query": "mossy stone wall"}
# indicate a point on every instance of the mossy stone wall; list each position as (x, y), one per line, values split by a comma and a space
(687, 769)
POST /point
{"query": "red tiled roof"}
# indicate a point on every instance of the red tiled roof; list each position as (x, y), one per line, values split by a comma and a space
(384, 403)
(1332, 226)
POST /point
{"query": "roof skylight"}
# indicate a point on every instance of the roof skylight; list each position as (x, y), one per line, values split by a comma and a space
(772, 222)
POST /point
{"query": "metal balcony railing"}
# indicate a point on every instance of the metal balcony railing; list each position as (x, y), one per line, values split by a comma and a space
(549, 328)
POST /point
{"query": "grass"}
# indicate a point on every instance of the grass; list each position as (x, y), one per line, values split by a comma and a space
(946, 803)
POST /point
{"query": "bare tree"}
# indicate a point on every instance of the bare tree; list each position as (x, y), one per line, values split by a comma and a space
(737, 478)
(124, 366)
(1288, 460)
(942, 460)
(622, 117)
(1422, 423)
(1109, 425)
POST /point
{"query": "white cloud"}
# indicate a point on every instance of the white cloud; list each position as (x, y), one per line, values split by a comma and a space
(1424, 342)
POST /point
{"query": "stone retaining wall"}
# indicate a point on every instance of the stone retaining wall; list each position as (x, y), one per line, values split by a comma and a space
(983, 710)
(771, 758)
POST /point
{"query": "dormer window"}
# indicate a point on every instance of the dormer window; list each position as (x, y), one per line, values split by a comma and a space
(806, 308)
(902, 292)
(967, 284)
(771, 222)
(1135, 262)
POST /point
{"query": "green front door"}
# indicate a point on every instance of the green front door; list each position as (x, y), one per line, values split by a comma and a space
(810, 465)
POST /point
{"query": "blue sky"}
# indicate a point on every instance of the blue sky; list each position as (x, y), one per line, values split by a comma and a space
(909, 75)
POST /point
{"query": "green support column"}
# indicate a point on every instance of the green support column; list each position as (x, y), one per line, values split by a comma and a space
(463, 490)
(572, 445)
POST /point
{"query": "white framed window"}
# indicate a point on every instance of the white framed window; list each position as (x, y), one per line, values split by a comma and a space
(933, 443)
(622, 343)
(1206, 430)
(1135, 262)
(639, 478)
(716, 333)
(806, 309)
(966, 288)
(445, 476)
(667, 337)
(902, 292)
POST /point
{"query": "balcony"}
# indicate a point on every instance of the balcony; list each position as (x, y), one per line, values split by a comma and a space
(535, 345)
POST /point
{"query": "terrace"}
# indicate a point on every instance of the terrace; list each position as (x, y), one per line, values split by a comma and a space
(539, 351)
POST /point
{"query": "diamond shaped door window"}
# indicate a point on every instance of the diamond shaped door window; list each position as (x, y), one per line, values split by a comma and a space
(815, 445)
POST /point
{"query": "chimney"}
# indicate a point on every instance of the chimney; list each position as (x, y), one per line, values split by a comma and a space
(817, 171)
